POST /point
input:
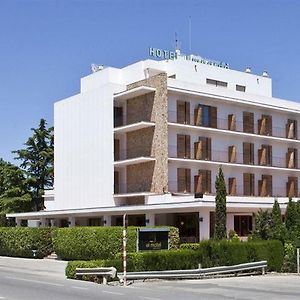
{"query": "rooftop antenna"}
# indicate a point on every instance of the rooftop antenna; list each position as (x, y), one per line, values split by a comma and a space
(190, 34)
(177, 44)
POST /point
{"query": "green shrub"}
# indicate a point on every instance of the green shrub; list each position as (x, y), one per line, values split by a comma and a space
(225, 252)
(143, 261)
(20, 241)
(86, 243)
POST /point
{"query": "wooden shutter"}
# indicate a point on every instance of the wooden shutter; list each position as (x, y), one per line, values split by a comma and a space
(248, 153)
(265, 155)
(181, 180)
(291, 129)
(213, 117)
(116, 182)
(292, 187)
(269, 155)
(231, 122)
(269, 125)
(208, 148)
(232, 186)
(180, 145)
(248, 122)
(232, 154)
(292, 158)
(205, 181)
(198, 116)
(116, 149)
(266, 186)
(208, 180)
(248, 179)
(188, 180)
(187, 146)
(187, 113)
(197, 150)
(198, 184)
(181, 112)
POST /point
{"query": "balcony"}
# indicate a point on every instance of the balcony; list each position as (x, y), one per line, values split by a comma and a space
(278, 191)
(133, 93)
(226, 126)
(218, 157)
(133, 155)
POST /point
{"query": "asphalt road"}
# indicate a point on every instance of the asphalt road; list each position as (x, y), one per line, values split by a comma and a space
(44, 280)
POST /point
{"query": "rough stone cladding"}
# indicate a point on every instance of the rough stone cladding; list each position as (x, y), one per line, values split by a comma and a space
(155, 106)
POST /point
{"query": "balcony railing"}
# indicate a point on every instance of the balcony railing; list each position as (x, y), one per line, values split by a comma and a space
(223, 124)
(132, 152)
(125, 120)
(222, 156)
(277, 191)
(123, 188)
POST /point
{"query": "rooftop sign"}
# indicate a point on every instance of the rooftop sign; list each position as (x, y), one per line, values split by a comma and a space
(172, 55)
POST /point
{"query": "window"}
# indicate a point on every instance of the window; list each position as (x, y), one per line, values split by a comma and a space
(265, 125)
(291, 129)
(118, 116)
(265, 155)
(202, 182)
(292, 187)
(202, 149)
(248, 184)
(183, 146)
(183, 112)
(248, 122)
(240, 88)
(216, 82)
(248, 153)
(184, 180)
(243, 225)
(206, 116)
(265, 186)
(292, 158)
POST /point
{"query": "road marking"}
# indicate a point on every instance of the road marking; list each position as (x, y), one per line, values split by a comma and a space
(149, 298)
(2, 297)
(35, 281)
(79, 288)
(114, 293)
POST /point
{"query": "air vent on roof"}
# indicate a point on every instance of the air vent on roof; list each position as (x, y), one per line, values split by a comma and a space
(248, 70)
(265, 74)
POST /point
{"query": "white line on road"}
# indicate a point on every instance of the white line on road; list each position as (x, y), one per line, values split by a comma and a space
(79, 288)
(149, 298)
(35, 281)
(2, 297)
(114, 293)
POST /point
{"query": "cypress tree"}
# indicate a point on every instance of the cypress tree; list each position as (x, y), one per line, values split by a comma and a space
(220, 226)
(291, 216)
(276, 225)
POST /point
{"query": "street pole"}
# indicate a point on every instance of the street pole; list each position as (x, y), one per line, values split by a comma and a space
(124, 250)
(298, 266)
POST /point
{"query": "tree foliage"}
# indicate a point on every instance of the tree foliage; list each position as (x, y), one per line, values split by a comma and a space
(14, 195)
(220, 226)
(37, 162)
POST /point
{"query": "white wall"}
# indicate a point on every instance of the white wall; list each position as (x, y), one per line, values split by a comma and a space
(84, 150)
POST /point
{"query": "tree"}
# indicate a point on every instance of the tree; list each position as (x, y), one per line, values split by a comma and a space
(291, 215)
(14, 194)
(37, 162)
(262, 225)
(220, 226)
(277, 228)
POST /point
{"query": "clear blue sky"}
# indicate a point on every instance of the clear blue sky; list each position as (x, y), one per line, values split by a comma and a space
(47, 45)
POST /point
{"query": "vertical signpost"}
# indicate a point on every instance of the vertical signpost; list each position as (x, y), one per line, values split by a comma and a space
(298, 263)
(124, 250)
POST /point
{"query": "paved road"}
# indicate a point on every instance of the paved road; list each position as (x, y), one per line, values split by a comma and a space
(44, 280)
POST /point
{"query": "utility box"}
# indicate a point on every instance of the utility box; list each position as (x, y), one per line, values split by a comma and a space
(152, 239)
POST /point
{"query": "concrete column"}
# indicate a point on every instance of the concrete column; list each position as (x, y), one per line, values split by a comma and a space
(204, 225)
(53, 222)
(18, 222)
(107, 220)
(43, 222)
(71, 221)
(150, 219)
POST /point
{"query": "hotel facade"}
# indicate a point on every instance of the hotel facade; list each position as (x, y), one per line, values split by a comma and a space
(148, 140)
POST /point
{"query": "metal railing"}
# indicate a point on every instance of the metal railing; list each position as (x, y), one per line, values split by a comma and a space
(223, 124)
(223, 156)
(277, 191)
(197, 273)
(104, 273)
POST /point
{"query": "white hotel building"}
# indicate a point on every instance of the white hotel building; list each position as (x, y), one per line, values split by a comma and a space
(148, 140)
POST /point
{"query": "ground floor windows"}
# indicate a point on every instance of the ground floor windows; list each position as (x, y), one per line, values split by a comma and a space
(243, 225)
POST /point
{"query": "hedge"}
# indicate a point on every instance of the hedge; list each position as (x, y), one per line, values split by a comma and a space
(142, 261)
(20, 241)
(88, 243)
(207, 253)
(224, 253)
